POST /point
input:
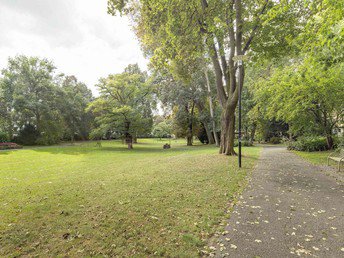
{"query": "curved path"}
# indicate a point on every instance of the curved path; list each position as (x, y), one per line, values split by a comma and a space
(290, 208)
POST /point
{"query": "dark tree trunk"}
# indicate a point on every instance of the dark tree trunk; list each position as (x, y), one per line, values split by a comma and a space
(128, 136)
(129, 141)
(209, 134)
(329, 141)
(189, 140)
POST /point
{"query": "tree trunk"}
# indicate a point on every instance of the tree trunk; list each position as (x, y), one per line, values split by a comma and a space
(201, 108)
(211, 108)
(329, 141)
(128, 136)
(189, 134)
(189, 140)
(253, 132)
(227, 132)
(209, 134)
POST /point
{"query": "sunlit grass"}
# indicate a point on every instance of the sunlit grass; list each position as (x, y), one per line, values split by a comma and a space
(87, 201)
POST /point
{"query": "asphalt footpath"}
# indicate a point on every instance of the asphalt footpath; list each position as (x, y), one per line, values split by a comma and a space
(289, 209)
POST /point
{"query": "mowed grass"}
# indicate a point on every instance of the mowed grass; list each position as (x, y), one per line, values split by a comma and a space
(82, 201)
(316, 158)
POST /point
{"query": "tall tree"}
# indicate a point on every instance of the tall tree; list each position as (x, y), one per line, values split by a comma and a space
(184, 31)
(124, 105)
(30, 95)
(73, 101)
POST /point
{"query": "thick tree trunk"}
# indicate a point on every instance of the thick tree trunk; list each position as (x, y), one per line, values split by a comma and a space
(227, 132)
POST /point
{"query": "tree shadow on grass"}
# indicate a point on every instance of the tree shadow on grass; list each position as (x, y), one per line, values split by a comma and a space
(5, 152)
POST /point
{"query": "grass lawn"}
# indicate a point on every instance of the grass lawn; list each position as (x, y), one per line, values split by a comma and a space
(88, 201)
(317, 157)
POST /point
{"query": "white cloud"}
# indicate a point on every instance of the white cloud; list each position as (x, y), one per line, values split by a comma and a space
(78, 35)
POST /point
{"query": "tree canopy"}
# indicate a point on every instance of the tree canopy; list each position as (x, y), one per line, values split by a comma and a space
(124, 106)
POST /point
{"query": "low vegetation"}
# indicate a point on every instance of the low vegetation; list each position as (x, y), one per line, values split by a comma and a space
(84, 200)
(316, 158)
(313, 143)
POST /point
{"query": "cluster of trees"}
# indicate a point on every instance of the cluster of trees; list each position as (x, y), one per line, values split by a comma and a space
(291, 81)
(305, 89)
(38, 106)
(293, 74)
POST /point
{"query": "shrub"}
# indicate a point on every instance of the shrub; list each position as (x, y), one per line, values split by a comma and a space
(4, 137)
(28, 135)
(275, 140)
(310, 143)
(9, 146)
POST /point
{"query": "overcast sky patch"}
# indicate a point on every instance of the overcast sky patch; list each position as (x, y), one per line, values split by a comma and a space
(78, 35)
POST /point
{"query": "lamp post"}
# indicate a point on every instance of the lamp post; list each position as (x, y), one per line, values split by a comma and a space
(239, 104)
(239, 59)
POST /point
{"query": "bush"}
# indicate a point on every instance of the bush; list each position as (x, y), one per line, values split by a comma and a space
(4, 137)
(9, 146)
(28, 135)
(310, 143)
(275, 140)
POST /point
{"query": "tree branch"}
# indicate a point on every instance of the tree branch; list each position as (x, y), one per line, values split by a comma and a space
(249, 41)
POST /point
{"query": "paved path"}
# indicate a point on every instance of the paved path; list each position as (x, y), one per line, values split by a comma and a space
(290, 208)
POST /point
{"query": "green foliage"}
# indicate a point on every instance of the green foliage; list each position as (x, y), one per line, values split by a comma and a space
(306, 95)
(125, 104)
(163, 129)
(4, 137)
(275, 140)
(31, 94)
(310, 143)
(28, 135)
(73, 100)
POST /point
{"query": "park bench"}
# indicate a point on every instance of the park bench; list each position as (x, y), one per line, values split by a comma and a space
(337, 156)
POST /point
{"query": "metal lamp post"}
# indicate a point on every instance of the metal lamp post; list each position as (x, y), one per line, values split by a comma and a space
(239, 59)
(239, 104)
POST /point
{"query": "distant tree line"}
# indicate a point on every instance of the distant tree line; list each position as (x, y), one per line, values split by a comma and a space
(292, 80)
(39, 106)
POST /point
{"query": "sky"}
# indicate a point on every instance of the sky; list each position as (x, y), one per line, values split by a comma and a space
(77, 35)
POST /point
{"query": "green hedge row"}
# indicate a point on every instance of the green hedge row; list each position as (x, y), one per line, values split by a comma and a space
(311, 143)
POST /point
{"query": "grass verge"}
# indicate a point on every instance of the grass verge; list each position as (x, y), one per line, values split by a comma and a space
(87, 201)
(316, 158)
